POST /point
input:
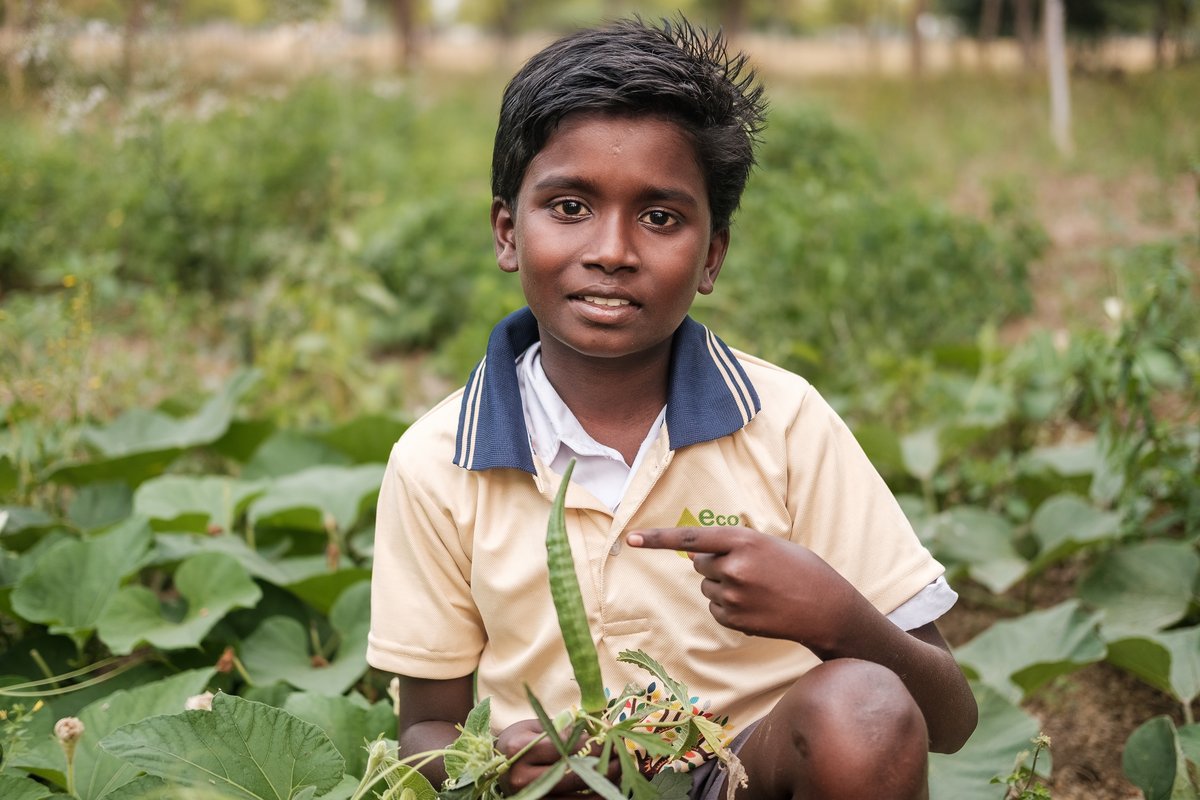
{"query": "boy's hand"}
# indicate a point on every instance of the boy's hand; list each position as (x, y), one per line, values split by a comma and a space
(538, 759)
(765, 586)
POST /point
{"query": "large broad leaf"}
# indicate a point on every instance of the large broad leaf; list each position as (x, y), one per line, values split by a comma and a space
(308, 577)
(1169, 661)
(242, 749)
(190, 503)
(279, 648)
(1003, 732)
(1154, 762)
(289, 452)
(212, 584)
(1066, 523)
(349, 722)
(921, 453)
(310, 499)
(1143, 587)
(1016, 656)
(97, 773)
(69, 585)
(366, 439)
(1072, 459)
(980, 541)
(13, 787)
(142, 443)
(99, 505)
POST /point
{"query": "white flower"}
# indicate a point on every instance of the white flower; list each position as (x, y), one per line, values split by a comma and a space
(199, 702)
(1114, 308)
(68, 729)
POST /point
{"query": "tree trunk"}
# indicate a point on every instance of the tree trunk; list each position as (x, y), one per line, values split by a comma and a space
(135, 22)
(989, 28)
(1025, 33)
(404, 24)
(14, 24)
(733, 18)
(1054, 26)
(916, 41)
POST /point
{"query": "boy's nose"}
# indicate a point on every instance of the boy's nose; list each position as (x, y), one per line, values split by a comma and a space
(613, 245)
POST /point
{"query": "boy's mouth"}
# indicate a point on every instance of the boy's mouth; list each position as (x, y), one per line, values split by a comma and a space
(605, 301)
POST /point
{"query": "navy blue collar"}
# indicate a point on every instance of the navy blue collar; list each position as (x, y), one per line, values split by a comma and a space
(708, 395)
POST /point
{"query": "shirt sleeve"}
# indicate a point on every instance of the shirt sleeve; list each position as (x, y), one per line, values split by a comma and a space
(424, 622)
(845, 512)
(925, 606)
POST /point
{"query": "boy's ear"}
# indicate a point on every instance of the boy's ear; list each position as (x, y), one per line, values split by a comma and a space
(718, 246)
(504, 235)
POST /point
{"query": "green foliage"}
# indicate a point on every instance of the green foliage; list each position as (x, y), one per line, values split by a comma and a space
(823, 247)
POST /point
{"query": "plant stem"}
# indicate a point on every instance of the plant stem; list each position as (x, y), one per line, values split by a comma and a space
(18, 690)
(45, 668)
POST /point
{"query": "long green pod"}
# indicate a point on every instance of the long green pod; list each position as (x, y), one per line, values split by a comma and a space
(568, 602)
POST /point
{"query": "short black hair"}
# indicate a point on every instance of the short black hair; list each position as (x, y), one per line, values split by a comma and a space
(675, 71)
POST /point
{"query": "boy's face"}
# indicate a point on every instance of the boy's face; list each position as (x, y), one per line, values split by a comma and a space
(612, 236)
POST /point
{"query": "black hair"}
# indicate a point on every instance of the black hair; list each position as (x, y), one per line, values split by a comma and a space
(675, 71)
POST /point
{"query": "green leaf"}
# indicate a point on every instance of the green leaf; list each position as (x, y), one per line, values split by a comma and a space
(98, 505)
(13, 787)
(1142, 587)
(349, 722)
(289, 452)
(212, 584)
(1154, 762)
(366, 439)
(1074, 459)
(143, 443)
(307, 577)
(921, 452)
(1004, 730)
(1016, 656)
(673, 785)
(71, 582)
(638, 657)
(97, 774)
(979, 540)
(190, 503)
(588, 769)
(279, 648)
(1169, 661)
(307, 499)
(244, 749)
(1067, 523)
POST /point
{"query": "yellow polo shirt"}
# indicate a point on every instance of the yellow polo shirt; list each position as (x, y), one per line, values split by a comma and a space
(460, 581)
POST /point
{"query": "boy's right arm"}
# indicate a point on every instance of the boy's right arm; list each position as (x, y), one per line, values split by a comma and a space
(430, 710)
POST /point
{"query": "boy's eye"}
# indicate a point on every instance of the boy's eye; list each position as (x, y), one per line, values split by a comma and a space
(659, 219)
(569, 208)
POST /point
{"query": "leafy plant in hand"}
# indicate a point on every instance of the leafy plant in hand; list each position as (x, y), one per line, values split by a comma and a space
(665, 727)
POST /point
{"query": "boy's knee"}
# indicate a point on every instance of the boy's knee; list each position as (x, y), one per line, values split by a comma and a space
(856, 732)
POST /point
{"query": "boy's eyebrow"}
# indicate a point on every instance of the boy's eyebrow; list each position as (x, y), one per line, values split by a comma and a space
(649, 192)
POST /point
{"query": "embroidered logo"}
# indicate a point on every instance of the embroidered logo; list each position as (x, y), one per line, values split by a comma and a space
(706, 519)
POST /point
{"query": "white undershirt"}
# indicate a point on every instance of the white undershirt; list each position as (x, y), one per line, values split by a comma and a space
(557, 437)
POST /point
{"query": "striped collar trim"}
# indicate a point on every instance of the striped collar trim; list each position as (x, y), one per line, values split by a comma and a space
(708, 396)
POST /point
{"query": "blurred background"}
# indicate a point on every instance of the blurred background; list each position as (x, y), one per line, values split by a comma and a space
(975, 227)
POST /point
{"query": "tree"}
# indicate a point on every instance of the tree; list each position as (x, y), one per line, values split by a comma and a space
(1054, 27)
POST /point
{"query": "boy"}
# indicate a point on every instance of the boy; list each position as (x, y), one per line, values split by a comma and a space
(805, 613)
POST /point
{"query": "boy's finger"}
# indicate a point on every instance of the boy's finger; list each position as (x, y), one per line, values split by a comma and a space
(692, 540)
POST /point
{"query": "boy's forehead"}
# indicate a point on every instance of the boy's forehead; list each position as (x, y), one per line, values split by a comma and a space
(632, 126)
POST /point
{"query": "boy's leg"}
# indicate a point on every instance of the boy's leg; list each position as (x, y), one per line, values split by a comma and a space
(847, 730)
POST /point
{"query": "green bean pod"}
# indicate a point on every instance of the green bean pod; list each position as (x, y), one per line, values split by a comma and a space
(568, 603)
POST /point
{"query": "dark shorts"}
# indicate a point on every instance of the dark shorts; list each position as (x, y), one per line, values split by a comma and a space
(706, 780)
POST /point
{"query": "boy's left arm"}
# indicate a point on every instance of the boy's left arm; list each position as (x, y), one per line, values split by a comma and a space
(765, 586)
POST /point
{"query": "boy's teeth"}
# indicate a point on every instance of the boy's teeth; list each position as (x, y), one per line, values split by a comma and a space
(606, 301)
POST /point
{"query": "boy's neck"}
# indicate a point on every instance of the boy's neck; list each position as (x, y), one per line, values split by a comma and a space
(615, 400)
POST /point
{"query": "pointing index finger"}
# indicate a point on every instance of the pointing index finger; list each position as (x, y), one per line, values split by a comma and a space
(692, 540)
